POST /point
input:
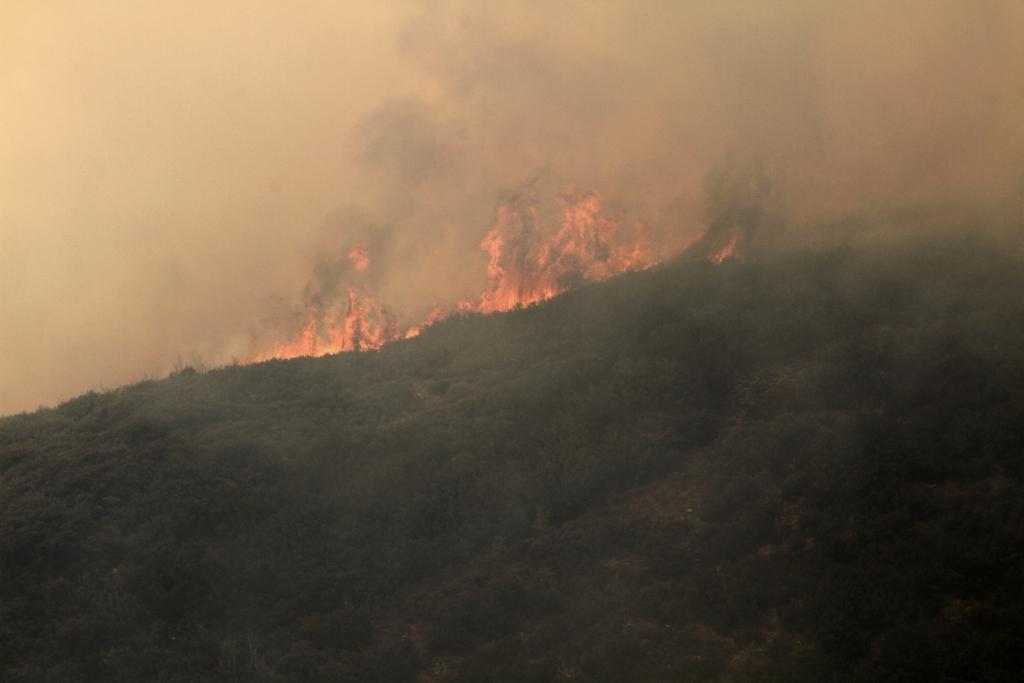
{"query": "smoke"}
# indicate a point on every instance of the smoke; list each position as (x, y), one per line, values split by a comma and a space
(177, 178)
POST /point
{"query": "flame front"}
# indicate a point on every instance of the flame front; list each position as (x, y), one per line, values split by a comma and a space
(527, 262)
(728, 250)
(526, 267)
(361, 323)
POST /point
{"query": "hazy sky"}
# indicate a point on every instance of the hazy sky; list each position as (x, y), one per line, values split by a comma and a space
(172, 173)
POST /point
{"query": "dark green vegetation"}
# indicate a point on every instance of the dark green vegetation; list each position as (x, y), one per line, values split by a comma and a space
(803, 467)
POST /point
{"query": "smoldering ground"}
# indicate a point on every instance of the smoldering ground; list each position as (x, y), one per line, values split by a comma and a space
(175, 179)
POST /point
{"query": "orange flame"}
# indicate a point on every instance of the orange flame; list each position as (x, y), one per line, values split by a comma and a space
(525, 268)
(527, 262)
(360, 258)
(727, 251)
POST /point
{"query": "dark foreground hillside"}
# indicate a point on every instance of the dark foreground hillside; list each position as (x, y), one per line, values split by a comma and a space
(804, 467)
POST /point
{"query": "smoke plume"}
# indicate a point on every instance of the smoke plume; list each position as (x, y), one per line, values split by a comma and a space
(182, 180)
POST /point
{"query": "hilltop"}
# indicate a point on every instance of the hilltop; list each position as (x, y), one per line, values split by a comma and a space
(801, 466)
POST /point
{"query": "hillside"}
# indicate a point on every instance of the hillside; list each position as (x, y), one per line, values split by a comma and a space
(804, 466)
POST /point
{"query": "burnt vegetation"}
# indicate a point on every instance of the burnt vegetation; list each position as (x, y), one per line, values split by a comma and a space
(801, 466)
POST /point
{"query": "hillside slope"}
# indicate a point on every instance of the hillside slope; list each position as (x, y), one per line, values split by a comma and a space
(801, 467)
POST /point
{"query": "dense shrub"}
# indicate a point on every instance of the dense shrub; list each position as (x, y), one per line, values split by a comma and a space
(804, 466)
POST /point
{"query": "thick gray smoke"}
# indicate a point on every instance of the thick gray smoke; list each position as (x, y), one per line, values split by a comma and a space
(176, 179)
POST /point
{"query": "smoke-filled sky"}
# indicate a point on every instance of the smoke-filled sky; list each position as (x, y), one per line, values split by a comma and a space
(174, 175)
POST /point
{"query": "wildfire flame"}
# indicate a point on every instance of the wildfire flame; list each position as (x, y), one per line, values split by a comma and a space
(524, 267)
(360, 258)
(726, 251)
(528, 262)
